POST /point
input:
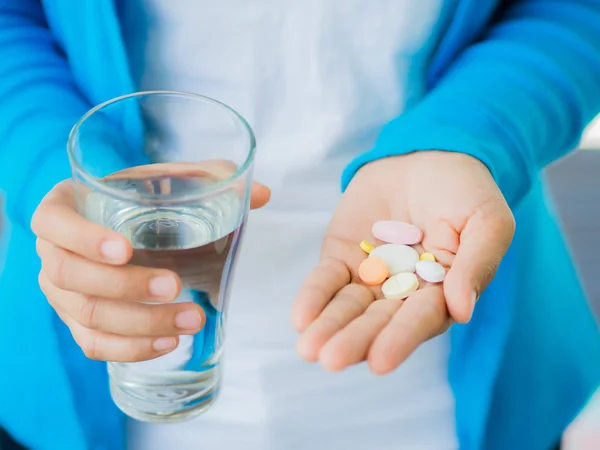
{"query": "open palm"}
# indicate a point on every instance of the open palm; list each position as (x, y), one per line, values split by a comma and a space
(467, 225)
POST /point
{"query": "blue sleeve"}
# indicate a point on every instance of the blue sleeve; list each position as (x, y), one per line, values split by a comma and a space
(39, 103)
(517, 100)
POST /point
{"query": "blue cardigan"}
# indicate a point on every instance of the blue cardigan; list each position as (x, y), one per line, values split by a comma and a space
(512, 84)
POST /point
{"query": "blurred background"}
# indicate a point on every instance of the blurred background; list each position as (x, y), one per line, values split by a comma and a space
(575, 187)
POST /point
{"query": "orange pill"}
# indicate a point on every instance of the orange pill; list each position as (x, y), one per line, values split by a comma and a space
(373, 271)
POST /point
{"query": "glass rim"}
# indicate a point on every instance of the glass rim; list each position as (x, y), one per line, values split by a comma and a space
(96, 184)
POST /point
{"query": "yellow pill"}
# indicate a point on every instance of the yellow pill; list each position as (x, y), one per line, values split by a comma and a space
(427, 257)
(367, 247)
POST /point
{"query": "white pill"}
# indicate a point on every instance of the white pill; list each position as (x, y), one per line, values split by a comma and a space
(398, 257)
(431, 271)
(400, 286)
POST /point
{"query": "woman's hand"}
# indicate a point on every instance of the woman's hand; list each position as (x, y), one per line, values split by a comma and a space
(87, 281)
(467, 225)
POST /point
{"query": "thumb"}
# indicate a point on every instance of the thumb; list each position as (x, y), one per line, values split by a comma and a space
(483, 243)
(259, 196)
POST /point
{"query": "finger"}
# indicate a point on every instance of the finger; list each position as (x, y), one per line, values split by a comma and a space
(348, 304)
(129, 319)
(57, 221)
(259, 196)
(101, 346)
(483, 243)
(351, 344)
(423, 316)
(441, 239)
(165, 186)
(71, 272)
(216, 169)
(317, 291)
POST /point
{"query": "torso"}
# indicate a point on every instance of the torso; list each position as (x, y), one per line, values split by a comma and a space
(316, 79)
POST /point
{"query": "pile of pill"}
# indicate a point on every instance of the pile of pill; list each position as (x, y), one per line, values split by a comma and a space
(394, 263)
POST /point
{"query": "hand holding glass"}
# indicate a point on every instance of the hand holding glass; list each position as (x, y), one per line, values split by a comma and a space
(172, 172)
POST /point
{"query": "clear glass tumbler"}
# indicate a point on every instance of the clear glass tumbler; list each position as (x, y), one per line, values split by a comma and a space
(172, 172)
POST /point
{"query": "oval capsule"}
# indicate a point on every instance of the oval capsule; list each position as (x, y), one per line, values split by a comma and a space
(396, 232)
(427, 257)
(366, 247)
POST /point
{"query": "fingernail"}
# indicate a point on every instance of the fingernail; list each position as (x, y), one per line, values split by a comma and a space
(165, 343)
(114, 250)
(164, 286)
(188, 320)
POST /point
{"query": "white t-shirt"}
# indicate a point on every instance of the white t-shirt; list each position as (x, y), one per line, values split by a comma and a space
(316, 79)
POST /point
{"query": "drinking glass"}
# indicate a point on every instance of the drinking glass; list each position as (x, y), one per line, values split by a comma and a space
(172, 172)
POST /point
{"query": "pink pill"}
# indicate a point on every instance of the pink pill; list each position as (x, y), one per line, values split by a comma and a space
(395, 232)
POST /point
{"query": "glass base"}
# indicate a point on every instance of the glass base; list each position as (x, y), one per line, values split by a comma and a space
(167, 398)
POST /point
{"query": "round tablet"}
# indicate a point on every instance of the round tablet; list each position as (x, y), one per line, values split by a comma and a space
(400, 286)
(373, 271)
(431, 271)
(399, 258)
(396, 232)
